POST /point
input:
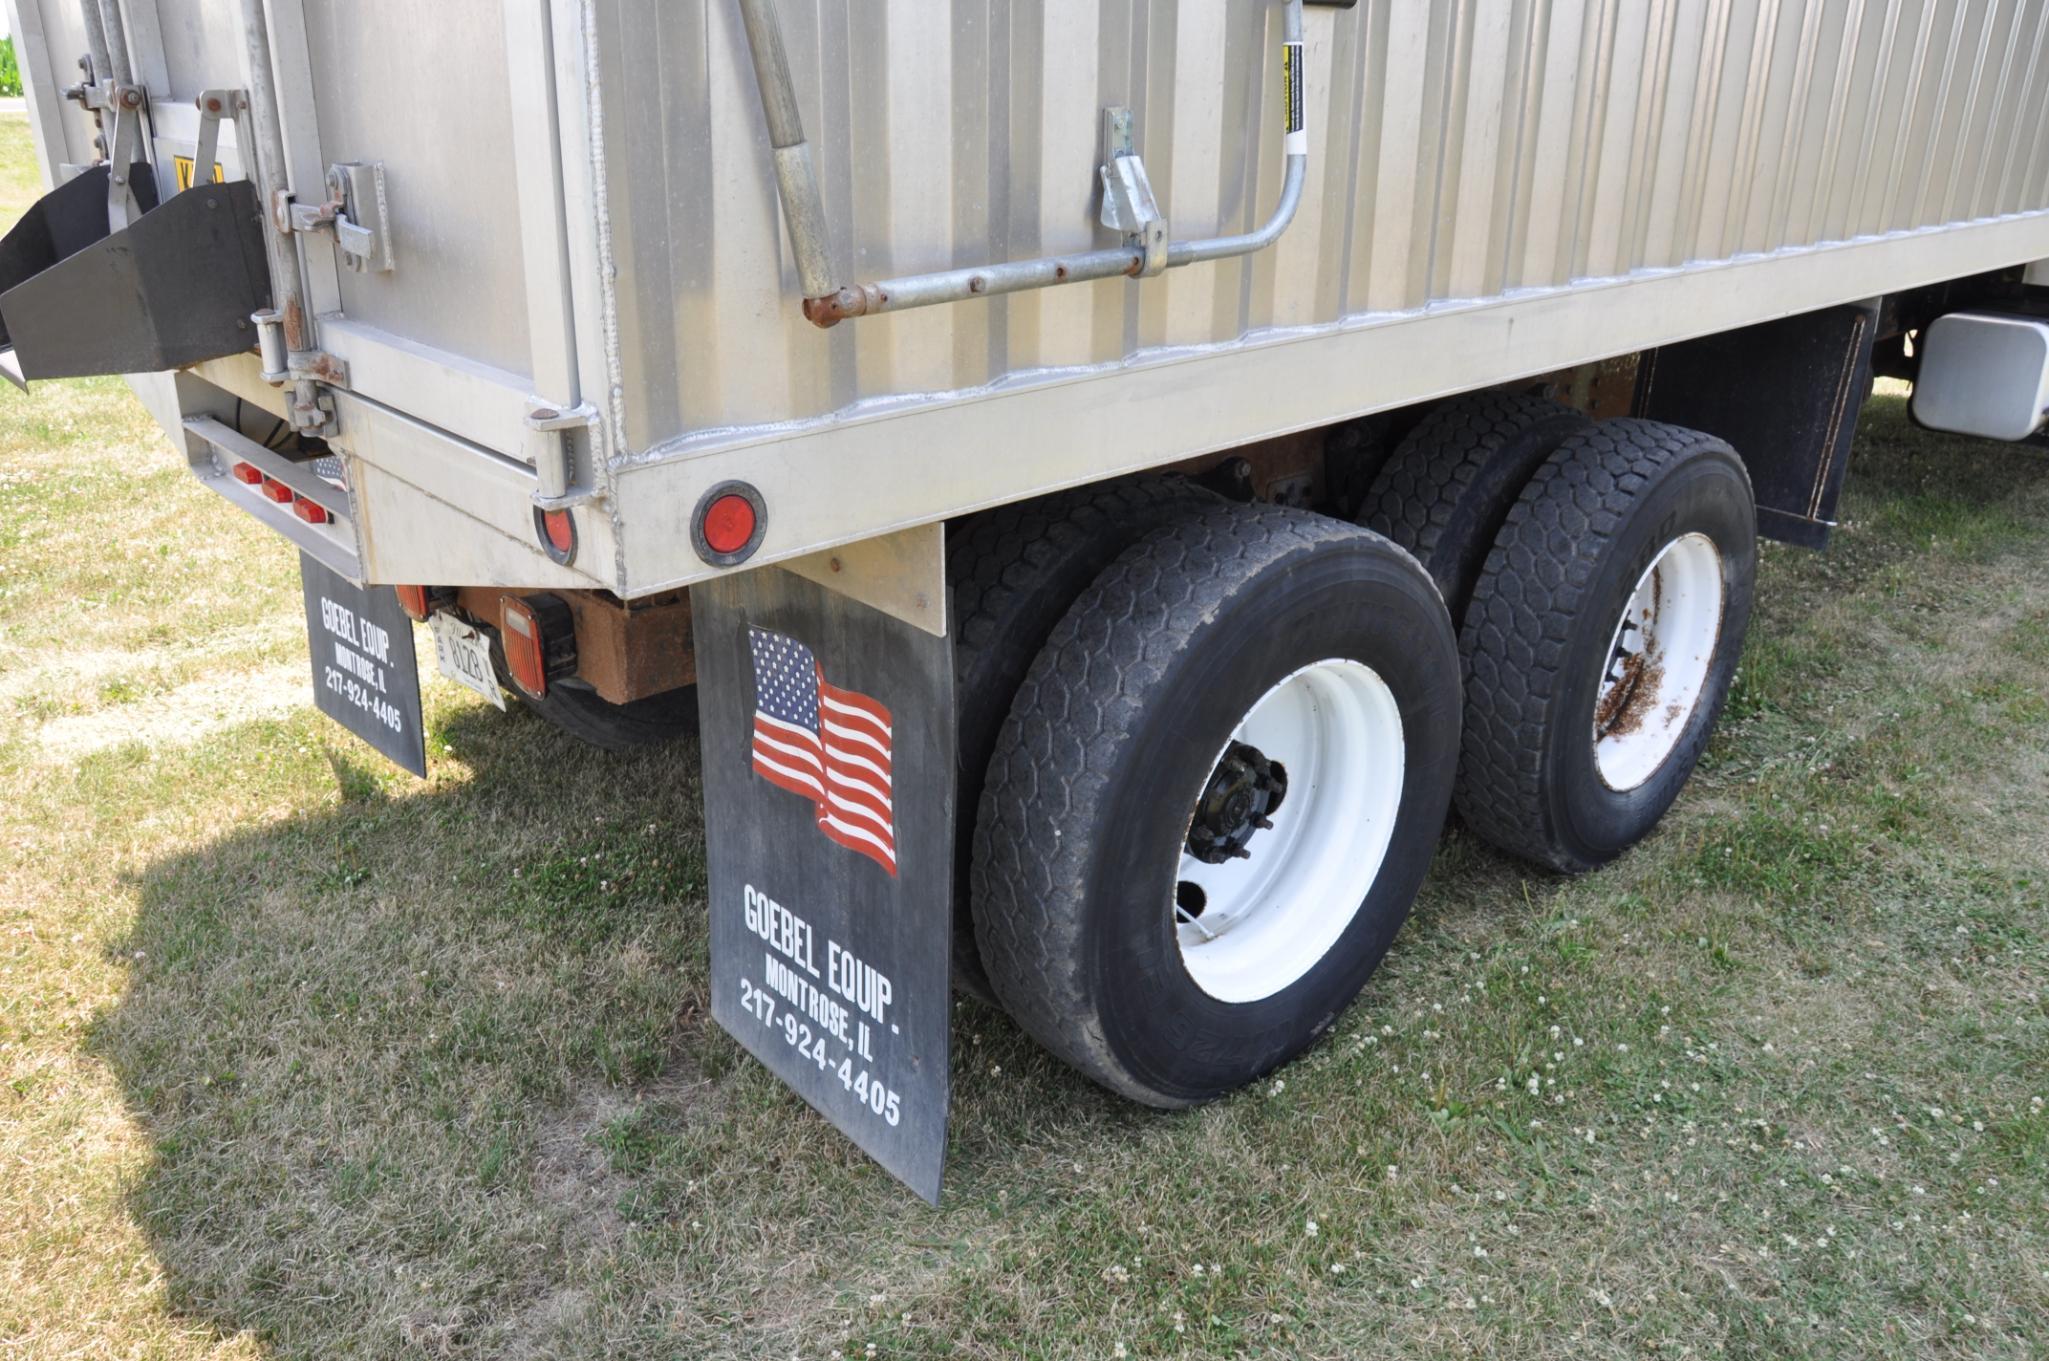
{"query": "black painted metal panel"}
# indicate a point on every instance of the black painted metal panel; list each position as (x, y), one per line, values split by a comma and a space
(1786, 396)
(366, 675)
(174, 288)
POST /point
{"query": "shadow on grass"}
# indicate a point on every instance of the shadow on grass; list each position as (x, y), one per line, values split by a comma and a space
(432, 1065)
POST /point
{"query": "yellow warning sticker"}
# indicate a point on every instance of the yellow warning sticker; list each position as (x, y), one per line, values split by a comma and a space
(183, 166)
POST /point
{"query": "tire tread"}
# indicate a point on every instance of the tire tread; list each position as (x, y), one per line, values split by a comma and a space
(1078, 709)
(1518, 627)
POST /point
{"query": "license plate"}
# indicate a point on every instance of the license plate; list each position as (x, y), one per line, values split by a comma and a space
(464, 656)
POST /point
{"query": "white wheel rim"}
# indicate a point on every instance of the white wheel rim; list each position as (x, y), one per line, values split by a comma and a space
(1658, 662)
(1253, 926)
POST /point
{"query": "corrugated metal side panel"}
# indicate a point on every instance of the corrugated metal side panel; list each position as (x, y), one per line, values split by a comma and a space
(1462, 151)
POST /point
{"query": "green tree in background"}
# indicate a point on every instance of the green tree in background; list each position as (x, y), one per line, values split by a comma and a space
(10, 73)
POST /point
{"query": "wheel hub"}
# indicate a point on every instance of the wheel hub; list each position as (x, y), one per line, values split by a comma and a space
(1243, 793)
(1658, 662)
(1289, 831)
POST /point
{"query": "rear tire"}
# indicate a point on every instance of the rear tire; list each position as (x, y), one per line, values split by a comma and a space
(1302, 663)
(1448, 489)
(578, 710)
(1012, 572)
(1602, 641)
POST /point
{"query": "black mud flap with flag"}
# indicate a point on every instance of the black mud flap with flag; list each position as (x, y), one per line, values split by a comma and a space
(828, 746)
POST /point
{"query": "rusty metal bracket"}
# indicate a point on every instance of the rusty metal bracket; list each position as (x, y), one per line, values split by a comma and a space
(1129, 205)
(213, 106)
(127, 103)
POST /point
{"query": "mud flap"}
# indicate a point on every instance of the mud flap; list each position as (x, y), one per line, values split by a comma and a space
(828, 749)
(1786, 396)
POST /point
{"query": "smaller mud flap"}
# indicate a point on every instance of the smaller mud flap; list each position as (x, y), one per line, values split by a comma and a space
(828, 739)
(1786, 396)
(174, 288)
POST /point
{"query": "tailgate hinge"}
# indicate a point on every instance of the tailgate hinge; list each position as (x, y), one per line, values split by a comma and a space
(557, 468)
(310, 411)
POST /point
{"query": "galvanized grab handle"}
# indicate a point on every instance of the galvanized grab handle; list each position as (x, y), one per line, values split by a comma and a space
(828, 303)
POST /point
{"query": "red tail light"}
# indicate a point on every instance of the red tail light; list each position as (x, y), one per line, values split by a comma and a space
(526, 649)
(312, 512)
(413, 600)
(247, 473)
(278, 491)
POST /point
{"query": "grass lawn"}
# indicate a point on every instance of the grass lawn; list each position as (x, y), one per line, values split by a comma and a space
(300, 1057)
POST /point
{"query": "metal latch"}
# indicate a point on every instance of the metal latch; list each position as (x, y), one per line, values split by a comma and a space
(356, 213)
(1128, 202)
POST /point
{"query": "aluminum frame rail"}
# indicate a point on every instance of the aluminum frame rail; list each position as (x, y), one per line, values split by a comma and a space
(827, 302)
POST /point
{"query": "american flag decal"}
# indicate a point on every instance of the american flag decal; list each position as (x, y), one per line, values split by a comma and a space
(828, 745)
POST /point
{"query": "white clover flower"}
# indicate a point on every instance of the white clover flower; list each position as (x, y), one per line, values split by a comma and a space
(1311, 1229)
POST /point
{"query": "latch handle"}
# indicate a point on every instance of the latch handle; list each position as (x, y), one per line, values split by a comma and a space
(357, 214)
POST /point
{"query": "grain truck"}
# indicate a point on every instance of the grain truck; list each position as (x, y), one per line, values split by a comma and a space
(1098, 482)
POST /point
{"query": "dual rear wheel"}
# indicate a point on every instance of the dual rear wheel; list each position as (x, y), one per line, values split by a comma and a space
(1218, 784)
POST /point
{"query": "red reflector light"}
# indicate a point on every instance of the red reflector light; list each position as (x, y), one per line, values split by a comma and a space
(729, 523)
(247, 473)
(525, 648)
(561, 531)
(312, 512)
(413, 600)
(278, 491)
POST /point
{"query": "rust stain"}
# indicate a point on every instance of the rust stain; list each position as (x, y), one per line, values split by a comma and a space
(295, 325)
(1623, 709)
(325, 368)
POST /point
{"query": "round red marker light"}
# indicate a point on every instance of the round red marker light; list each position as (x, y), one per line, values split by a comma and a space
(729, 523)
(560, 529)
